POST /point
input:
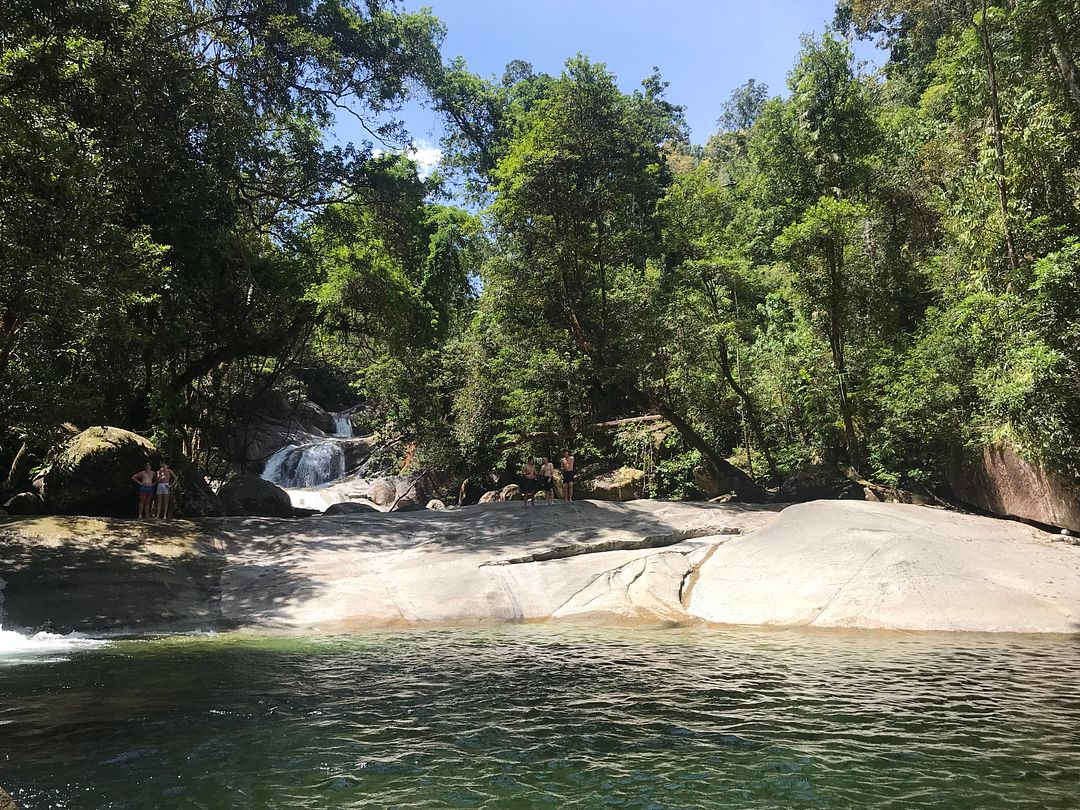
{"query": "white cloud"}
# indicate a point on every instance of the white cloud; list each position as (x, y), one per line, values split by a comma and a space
(426, 156)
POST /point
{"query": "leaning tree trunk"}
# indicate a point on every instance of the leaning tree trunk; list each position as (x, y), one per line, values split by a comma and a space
(727, 474)
(999, 145)
(748, 408)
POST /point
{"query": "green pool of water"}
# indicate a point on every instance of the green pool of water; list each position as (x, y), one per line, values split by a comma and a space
(545, 717)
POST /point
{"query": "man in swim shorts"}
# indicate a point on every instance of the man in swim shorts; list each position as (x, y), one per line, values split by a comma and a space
(529, 484)
(145, 479)
(567, 467)
(166, 480)
(547, 480)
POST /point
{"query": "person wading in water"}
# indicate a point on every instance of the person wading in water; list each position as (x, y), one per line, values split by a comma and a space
(145, 479)
(567, 467)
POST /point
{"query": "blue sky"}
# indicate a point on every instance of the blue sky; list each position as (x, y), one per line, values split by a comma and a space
(703, 49)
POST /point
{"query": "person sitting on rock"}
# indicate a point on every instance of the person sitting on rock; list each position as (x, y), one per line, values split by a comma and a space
(166, 479)
(529, 484)
(145, 479)
(547, 480)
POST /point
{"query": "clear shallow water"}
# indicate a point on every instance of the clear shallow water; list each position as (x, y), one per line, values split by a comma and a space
(546, 717)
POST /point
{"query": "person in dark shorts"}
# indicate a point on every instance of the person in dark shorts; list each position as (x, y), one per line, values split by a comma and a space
(567, 467)
(547, 480)
(529, 485)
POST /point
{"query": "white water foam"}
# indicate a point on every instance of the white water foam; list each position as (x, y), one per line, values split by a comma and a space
(12, 643)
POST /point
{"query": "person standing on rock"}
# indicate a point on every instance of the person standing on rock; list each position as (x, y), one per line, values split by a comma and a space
(529, 484)
(547, 480)
(145, 479)
(166, 480)
(567, 467)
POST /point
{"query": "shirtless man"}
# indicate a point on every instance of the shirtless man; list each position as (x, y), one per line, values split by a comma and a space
(529, 485)
(145, 479)
(547, 480)
(567, 467)
(166, 479)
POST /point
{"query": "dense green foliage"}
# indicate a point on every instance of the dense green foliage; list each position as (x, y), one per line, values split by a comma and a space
(877, 269)
(880, 269)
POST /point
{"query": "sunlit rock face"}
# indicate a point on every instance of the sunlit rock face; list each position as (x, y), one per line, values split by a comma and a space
(835, 564)
(1002, 482)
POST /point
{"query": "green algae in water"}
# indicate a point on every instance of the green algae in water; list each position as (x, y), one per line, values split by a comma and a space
(545, 717)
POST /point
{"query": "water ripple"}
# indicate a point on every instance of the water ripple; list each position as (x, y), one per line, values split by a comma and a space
(542, 717)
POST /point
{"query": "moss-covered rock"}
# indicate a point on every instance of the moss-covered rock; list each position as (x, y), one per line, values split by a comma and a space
(92, 476)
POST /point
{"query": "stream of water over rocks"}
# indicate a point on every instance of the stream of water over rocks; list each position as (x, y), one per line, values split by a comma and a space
(529, 716)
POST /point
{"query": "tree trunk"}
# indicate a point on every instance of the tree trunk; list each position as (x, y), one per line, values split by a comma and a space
(836, 344)
(999, 146)
(1059, 46)
(748, 408)
(19, 473)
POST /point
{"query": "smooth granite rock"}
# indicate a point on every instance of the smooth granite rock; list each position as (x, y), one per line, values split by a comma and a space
(824, 564)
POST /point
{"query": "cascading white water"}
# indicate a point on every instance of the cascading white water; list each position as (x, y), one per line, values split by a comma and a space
(308, 465)
(343, 428)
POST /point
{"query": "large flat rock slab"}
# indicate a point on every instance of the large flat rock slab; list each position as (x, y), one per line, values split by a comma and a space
(824, 564)
(891, 566)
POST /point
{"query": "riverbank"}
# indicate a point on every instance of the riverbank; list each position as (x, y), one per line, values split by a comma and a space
(836, 564)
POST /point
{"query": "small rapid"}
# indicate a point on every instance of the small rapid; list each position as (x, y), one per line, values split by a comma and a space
(18, 644)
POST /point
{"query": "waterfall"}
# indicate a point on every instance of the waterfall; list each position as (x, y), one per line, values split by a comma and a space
(342, 426)
(308, 465)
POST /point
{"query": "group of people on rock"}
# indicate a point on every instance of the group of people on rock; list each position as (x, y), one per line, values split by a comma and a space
(155, 486)
(534, 481)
